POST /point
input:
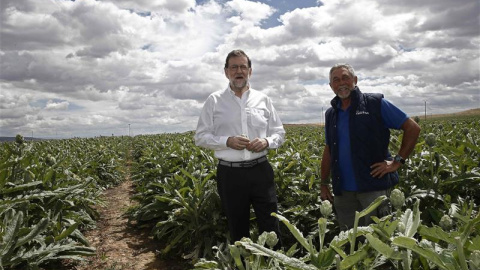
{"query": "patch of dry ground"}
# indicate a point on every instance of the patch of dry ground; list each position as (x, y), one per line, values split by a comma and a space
(120, 245)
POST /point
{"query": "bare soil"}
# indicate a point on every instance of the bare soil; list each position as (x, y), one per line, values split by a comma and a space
(120, 245)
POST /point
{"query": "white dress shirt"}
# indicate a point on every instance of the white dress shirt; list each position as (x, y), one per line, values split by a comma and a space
(225, 115)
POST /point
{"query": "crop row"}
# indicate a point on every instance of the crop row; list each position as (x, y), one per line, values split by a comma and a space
(48, 190)
(177, 193)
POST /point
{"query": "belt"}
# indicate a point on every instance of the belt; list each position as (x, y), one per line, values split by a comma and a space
(243, 164)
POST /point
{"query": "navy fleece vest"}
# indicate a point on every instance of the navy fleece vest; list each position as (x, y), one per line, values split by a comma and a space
(369, 140)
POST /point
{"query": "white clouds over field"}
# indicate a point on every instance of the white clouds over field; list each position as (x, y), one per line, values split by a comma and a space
(89, 68)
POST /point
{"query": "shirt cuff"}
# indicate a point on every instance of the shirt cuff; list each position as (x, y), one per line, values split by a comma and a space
(269, 141)
(223, 141)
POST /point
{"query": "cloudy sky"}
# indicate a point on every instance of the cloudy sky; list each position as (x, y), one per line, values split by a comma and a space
(89, 68)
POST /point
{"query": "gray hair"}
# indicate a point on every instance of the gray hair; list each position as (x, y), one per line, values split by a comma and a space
(348, 67)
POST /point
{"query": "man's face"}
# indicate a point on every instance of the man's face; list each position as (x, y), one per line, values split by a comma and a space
(238, 72)
(342, 82)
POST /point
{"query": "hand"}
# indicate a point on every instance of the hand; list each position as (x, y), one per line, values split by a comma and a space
(238, 142)
(257, 145)
(325, 193)
(381, 168)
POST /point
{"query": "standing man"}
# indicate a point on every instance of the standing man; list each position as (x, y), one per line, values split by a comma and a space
(240, 124)
(357, 132)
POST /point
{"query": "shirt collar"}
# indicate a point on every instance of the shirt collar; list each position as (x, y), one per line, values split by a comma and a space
(233, 92)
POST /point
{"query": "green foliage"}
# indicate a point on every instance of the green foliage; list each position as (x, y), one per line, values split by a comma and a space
(47, 190)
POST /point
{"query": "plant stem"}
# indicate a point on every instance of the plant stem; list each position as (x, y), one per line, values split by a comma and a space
(354, 233)
(337, 259)
(461, 254)
(406, 260)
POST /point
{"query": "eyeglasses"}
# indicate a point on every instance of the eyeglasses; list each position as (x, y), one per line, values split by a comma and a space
(243, 68)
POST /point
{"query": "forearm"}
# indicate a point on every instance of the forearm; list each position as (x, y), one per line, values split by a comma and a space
(411, 131)
(325, 166)
(210, 141)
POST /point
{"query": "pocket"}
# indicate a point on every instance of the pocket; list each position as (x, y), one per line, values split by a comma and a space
(258, 117)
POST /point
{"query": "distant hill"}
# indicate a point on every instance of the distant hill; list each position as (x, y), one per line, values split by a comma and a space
(471, 112)
(12, 139)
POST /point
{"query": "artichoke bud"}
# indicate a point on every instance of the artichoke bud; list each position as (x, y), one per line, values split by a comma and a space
(326, 208)
(446, 223)
(178, 212)
(272, 239)
(308, 173)
(475, 259)
(310, 146)
(51, 160)
(19, 139)
(430, 140)
(397, 198)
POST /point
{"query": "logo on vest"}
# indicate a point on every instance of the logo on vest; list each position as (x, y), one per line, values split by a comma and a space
(362, 112)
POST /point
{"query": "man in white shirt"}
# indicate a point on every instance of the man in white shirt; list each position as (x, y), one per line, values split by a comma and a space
(240, 124)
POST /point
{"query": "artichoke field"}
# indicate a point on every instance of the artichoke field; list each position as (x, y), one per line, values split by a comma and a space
(48, 189)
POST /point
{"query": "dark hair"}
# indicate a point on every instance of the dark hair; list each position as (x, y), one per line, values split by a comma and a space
(237, 53)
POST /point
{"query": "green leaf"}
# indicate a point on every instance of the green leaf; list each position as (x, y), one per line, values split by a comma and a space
(412, 244)
(372, 206)
(23, 187)
(296, 233)
(237, 258)
(354, 258)
(325, 258)
(436, 234)
(411, 219)
(292, 263)
(383, 248)
(10, 234)
(39, 228)
(67, 232)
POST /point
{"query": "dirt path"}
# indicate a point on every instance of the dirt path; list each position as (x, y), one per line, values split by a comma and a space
(121, 246)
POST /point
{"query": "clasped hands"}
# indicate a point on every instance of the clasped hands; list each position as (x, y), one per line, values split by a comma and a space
(241, 142)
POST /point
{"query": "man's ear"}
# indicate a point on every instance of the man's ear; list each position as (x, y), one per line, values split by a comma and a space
(226, 73)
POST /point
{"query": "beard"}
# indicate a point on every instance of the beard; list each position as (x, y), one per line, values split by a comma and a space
(238, 84)
(343, 92)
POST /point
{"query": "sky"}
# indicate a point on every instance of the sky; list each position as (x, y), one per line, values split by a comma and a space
(127, 67)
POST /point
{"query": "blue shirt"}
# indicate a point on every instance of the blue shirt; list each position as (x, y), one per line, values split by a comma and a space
(392, 117)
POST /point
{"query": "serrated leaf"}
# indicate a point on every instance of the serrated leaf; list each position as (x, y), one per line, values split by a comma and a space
(67, 232)
(10, 234)
(296, 233)
(353, 259)
(293, 263)
(412, 244)
(372, 206)
(39, 228)
(383, 248)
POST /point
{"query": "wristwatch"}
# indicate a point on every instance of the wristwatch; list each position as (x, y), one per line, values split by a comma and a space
(399, 158)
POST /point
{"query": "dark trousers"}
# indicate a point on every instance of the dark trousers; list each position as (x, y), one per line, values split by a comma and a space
(241, 187)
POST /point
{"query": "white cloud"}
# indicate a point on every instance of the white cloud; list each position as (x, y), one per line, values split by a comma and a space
(54, 105)
(85, 68)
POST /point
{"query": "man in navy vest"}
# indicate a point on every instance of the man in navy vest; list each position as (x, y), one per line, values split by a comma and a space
(356, 156)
